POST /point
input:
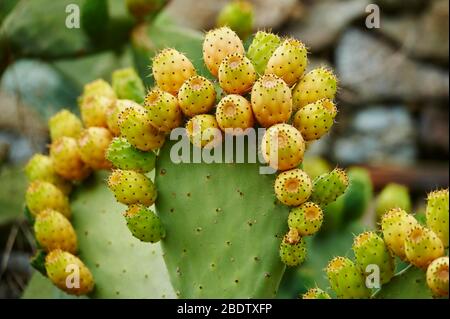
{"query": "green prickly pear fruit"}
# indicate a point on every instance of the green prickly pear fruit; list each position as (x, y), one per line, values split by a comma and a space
(68, 273)
(67, 161)
(170, 69)
(288, 61)
(395, 225)
(315, 120)
(54, 231)
(422, 246)
(328, 187)
(313, 86)
(306, 218)
(392, 196)
(293, 249)
(93, 143)
(217, 45)
(94, 109)
(234, 112)
(128, 85)
(370, 249)
(196, 96)
(316, 293)
(437, 214)
(238, 15)
(236, 74)
(203, 131)
(113, 114)
(271, 100)
(346, 280)
(125, 156)
(98, 87)
(135, 126)
(42, 195)
(293, 187)
(261, 49)
(144, 224)
(437, 277)
(64, 123)
(282, 146)
(40, 167)
(141, 8)
(163, 110)
(130, 187)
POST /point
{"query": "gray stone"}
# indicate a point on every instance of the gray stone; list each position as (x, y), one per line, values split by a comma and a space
(376, 72)
(322, 22)
(426, 36)
(378, 134)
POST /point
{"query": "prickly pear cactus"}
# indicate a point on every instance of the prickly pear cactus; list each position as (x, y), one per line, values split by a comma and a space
(223, 228)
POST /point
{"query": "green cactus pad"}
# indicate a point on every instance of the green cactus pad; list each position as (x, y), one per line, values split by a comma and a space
(223, 228)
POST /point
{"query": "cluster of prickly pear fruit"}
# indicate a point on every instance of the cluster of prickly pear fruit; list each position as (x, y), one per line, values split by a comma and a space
(78, 147)
(402, 236)
(266, 86)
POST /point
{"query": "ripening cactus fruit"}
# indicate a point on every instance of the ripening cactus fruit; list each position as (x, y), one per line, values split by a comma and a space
(40, 167)
(93, 143)
(130, 187)
(113, 114)
(271, 100)
(67, 161)
(54, 231)
(93, 110)
(203, 131)
(135, 126)
(422, 246)
(392, 196)
(97, 88)
(163, 110)
(236, 74)
(234, 112)
(313, 86)
(292, 249)
(328, 187)
(293, 187)
(437, 277)
(282, 146)
(437, 214)
(64, 123)
(346, 279)
(125, 156)
(288, 61)
(306, 218)
(370, 249)
(128, 85)
(238, 15)
(68, 273)
(43, 195)
(217, 45)
(196, 96)
(261, 49)
(315, 120)
(395, 225)
(316, 293)
(144, 224)
(170, 69)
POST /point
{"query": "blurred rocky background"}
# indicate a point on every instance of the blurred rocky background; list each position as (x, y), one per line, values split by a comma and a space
(393, 99)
